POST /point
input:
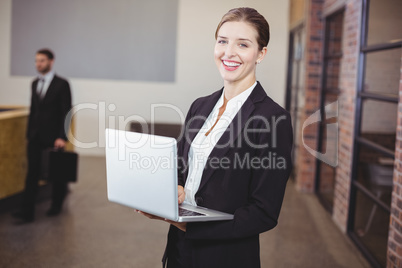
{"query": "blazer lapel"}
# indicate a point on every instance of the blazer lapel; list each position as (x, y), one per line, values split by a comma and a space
(230, 137)
(35, 95)
(50, 88)
(196, 123)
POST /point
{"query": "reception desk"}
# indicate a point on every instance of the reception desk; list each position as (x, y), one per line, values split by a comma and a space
(13, 160)
(13, 163)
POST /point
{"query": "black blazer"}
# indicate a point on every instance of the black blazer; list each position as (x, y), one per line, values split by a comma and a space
(257, 145)
(47, 116)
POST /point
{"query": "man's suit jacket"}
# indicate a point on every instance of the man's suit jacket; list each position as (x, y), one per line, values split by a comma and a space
(257, 145)
(47, 115)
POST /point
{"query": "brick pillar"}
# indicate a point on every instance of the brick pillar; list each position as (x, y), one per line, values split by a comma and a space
(348, 87)
(313, 64)
(395, 228)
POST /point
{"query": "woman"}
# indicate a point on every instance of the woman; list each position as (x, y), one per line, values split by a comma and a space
(234, 155)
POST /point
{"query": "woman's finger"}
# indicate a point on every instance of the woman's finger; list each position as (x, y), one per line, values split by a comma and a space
(149, 215)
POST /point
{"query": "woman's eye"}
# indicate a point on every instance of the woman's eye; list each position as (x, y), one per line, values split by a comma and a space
(243, 45)
(222, 41)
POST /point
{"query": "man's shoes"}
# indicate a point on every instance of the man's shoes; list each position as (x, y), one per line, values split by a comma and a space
(22, 217)
(53, 212)
(18, 214)
(25, 220)
(26, 217)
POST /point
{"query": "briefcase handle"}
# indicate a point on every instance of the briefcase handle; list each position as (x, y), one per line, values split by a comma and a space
(58, 149)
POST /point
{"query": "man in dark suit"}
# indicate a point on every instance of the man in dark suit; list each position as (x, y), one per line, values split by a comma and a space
(50, 103)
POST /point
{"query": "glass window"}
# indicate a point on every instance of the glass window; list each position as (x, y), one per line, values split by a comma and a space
(327, 184)
(371, 226)
(334, 34)
(332, 74)
(379, 121)
(375, 173)
(296, 83)
(383, 72)
(328, 136)
(373, 168)
(384, 21)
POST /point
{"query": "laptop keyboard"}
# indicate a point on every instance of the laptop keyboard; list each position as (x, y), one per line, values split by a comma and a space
(185, 212)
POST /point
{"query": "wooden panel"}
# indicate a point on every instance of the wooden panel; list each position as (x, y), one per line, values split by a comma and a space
(13, 163)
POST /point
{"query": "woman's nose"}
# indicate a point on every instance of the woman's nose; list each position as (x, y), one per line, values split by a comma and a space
(230, 51)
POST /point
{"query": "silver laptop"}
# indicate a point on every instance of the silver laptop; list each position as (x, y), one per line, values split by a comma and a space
(141, 173)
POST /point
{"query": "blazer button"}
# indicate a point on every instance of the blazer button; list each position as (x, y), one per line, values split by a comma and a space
(199, 200)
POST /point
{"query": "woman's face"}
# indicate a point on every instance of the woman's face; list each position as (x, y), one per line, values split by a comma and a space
(236, 52)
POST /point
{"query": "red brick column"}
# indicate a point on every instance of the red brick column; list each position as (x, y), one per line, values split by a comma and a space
(395, 228)
(348, 86)
(313, 61)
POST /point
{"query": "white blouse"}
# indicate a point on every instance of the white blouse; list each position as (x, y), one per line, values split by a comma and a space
(202, 145)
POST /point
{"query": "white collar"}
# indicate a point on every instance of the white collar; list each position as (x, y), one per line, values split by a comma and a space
(48, 76)
(238, 99)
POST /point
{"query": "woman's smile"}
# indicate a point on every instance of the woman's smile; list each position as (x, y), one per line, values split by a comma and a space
(236, 54)
(230, 65)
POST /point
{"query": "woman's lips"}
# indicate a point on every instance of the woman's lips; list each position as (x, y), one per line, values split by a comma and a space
(230, 65)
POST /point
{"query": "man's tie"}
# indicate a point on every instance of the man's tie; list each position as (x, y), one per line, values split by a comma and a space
(39, 89)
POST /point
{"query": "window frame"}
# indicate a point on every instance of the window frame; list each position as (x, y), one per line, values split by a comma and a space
(324, 91)
(360, 142)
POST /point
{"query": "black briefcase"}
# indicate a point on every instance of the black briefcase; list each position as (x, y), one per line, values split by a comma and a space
(59, 165)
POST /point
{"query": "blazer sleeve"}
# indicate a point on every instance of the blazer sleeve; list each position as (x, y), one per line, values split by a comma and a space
(65, 106)
(266, 192)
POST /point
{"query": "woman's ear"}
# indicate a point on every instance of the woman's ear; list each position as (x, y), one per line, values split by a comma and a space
(262, 54)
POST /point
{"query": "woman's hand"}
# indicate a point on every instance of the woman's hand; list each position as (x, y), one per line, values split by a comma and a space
(181, 225)
(181, 194)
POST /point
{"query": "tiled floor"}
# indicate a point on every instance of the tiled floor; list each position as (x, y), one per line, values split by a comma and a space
(92, 232)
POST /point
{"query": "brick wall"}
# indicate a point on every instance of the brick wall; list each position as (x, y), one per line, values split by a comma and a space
(348, 78)
(333, 34)
(313, 62)
(305, 162)
(348, 87)
(395, 229)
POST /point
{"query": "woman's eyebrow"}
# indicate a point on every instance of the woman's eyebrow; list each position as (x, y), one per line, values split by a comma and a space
(240, 39)
(245, 39)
